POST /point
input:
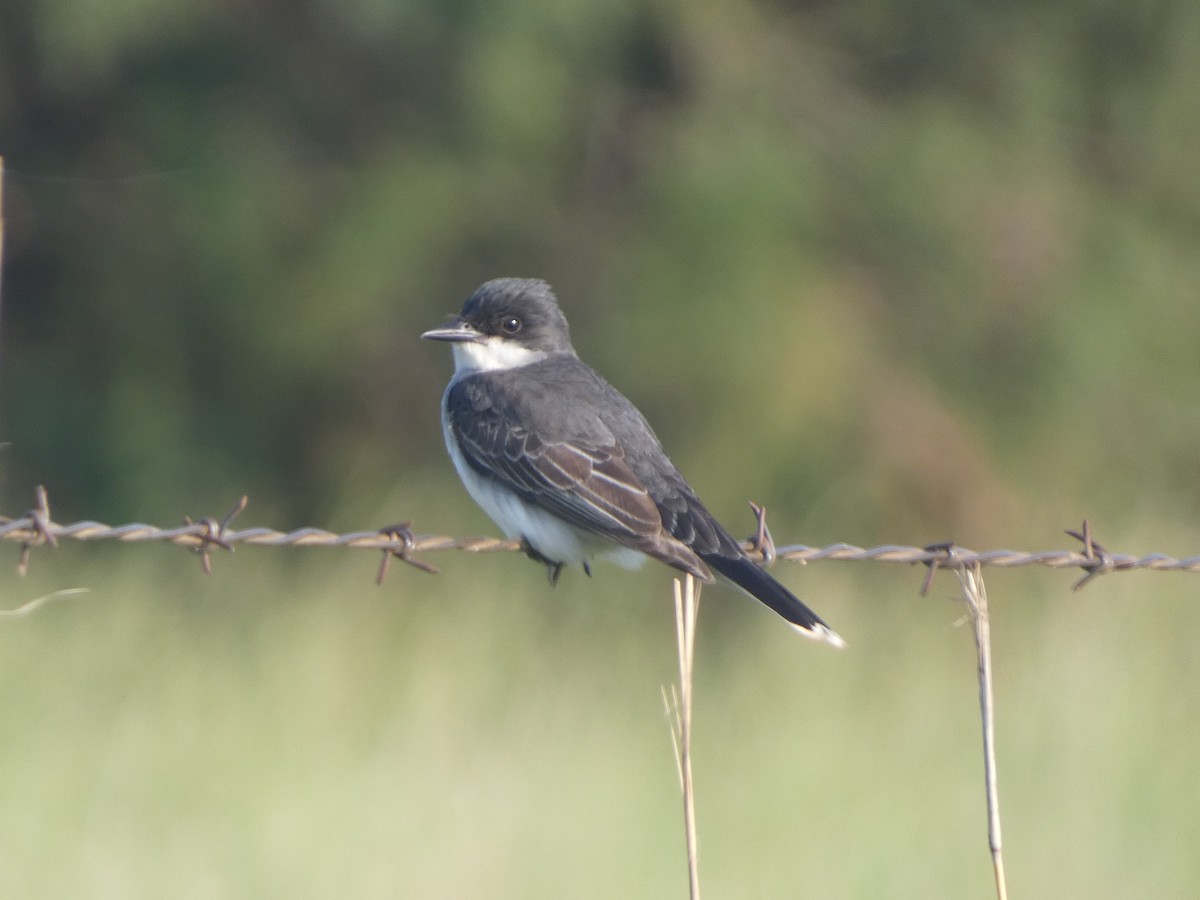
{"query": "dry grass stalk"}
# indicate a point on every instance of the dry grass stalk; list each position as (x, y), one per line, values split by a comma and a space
(975, 596)
(29, 606)
(679, 715)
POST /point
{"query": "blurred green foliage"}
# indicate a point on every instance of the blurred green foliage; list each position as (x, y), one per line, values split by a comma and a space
(904, 272)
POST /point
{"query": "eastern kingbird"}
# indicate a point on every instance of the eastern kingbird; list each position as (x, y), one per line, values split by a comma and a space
(561, 460)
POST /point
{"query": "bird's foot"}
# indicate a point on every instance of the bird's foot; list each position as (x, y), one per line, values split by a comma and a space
(553, 567)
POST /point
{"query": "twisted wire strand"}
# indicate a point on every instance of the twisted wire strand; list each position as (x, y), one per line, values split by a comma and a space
(29, 531)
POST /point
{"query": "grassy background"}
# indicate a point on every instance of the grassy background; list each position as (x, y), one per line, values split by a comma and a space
(287, 729)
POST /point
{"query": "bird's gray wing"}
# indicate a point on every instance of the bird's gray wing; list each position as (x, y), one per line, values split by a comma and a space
(564, 459)
(585, 482)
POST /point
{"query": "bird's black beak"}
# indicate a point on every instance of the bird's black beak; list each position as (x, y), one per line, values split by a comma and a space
(456, 331)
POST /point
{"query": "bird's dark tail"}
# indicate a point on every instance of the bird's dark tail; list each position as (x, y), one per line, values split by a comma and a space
(759, 584)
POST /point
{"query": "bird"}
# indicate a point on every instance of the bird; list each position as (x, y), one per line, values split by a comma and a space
(564, 463)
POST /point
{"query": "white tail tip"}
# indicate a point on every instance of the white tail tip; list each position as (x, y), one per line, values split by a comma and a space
(822, 633)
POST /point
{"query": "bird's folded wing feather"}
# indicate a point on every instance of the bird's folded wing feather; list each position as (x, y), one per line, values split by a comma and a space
(592, 487)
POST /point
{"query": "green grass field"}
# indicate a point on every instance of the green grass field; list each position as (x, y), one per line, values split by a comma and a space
(297, 732)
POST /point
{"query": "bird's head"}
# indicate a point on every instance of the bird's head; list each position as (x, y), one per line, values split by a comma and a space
(507, 322)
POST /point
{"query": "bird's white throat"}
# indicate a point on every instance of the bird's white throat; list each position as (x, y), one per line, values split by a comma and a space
(492, 355)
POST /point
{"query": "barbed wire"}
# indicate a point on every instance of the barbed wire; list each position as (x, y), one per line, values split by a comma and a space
(36, 528)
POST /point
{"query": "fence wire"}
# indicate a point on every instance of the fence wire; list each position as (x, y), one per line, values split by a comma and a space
(36, 528)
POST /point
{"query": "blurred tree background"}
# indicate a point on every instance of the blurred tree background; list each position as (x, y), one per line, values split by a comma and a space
(903, 271)
(946, 250)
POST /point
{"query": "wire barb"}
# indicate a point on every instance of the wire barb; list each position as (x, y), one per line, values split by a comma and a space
(211, 534)
(948, 550)
(41, 526)
(401, 532)
(761, 544)
(1097, 560)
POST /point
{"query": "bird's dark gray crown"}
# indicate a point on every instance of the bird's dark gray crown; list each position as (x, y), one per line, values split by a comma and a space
(523, 310)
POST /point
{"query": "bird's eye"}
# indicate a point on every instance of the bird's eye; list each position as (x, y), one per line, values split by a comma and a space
(510, 324)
